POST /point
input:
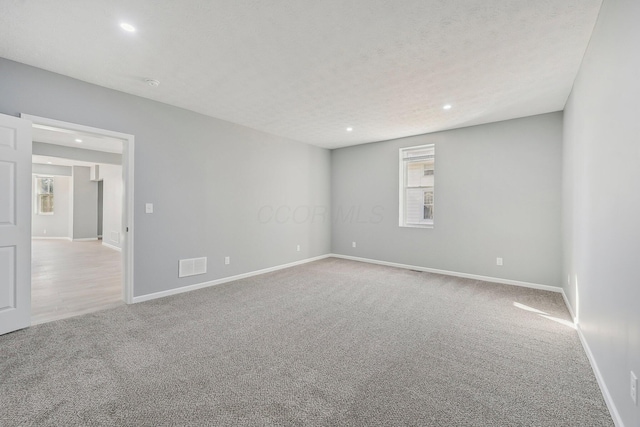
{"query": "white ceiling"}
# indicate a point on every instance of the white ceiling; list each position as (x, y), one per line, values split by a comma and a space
(308, 69)
(68, 138)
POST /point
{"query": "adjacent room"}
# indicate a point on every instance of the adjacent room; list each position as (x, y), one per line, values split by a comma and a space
(76, 224)
(362, 213)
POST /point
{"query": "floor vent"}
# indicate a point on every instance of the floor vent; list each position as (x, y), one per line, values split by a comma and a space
(192, 266)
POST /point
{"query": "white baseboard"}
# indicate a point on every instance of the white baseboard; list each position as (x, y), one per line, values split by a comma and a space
(569, 307)
(85, 239)
(115, 248)
(615, 415)
(605, 391)
(453, 273)
(188, 288)
(50, 238)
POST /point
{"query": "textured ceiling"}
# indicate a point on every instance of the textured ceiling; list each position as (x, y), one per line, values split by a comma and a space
(308, 69)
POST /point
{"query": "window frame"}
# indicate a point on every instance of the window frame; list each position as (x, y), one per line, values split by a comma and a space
(39, 194)
(403, 187)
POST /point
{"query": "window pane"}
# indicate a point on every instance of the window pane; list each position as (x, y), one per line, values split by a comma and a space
(428, 204)
(45, 185)
(417, 166)
(420, 173)
(46, 203)
(415, 206)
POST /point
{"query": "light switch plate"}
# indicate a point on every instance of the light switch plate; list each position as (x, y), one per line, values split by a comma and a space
(148, 208)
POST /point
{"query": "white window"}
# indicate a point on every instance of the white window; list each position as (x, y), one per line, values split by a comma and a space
(416, 186)
(44, 195)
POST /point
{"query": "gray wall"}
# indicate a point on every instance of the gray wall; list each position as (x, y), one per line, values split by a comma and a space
(84, 204)
(56, 225)
(208, 179)
(497, 194)
(602, 199)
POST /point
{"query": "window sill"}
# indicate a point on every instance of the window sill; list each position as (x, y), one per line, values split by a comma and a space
(416, 225)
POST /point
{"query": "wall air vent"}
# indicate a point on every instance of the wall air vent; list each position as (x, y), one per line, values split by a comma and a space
(192, 267)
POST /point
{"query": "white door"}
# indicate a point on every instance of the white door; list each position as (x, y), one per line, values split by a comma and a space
(15, 223)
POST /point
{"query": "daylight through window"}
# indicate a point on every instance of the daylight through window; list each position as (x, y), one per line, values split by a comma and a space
(44, 191)
(416, 186)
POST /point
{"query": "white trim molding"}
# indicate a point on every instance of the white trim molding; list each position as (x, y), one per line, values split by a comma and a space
(585, 345)
(193, 287)
(453, 273)
(615, 415)
(603, 387)
(85, 239)
(110, 246)
(50, 238)
(128, 150)
(569, 307)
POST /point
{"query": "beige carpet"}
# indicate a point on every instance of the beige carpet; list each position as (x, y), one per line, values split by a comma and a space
(330, 343)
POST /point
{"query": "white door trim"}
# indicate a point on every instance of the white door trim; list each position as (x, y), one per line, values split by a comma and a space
(128, 202)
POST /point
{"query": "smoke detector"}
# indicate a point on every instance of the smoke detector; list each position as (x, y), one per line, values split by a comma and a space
(152, 82)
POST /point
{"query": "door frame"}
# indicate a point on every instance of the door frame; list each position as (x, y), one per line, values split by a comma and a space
(128, 189)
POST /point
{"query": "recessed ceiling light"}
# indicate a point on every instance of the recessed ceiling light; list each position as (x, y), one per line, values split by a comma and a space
(127, 27)
(78, 140)
(349, 129)
(447, 107)
(48, 163)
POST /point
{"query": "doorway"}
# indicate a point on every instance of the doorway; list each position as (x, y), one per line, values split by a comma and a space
(103, 237)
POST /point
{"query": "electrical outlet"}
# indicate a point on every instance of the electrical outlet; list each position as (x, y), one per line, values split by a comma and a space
(298, 248)
(634, 388)
(227, 260)
(353, 244)
(499, 261)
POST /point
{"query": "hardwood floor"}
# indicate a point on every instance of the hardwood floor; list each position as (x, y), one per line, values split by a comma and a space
(73, 278)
